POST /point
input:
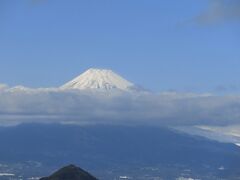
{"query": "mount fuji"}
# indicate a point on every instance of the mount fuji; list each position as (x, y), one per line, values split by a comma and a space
(100, 79)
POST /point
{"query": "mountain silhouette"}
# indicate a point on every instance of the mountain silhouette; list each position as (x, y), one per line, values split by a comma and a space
(70, 172)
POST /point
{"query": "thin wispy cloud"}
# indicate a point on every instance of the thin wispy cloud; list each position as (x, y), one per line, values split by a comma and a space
(219, 11)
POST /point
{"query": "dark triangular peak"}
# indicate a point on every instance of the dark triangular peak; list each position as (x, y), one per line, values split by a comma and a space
(70, 172)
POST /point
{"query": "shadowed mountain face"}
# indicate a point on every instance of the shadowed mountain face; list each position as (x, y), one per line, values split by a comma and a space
(107, 148)
(70, 172)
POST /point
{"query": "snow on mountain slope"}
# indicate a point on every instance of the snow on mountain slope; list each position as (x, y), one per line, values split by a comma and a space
(102, 79)
(19, 88)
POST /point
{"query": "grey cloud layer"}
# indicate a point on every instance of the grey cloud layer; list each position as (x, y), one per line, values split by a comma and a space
(220, 11)
(81, 107)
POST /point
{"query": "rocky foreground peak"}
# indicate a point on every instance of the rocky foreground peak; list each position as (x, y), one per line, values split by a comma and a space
(70, 172)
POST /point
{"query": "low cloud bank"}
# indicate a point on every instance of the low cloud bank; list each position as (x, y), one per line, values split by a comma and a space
(22, 105)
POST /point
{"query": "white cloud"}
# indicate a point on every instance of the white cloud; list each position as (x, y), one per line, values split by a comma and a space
(22, 105)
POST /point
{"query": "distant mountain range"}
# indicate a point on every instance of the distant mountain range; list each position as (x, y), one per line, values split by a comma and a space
(86, 97)
(134, 151)
(92, 79)
(109, 149)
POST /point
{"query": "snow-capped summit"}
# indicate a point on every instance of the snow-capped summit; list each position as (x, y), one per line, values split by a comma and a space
(102, 79)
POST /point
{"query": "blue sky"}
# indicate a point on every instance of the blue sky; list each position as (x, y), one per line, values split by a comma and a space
(181, 45)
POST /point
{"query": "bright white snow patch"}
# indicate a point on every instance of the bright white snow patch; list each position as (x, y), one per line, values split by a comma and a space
(238, 144)
(102, 79)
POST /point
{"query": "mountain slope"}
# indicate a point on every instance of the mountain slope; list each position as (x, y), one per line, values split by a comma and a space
(101, 79)
(107, 148)
(70, 172)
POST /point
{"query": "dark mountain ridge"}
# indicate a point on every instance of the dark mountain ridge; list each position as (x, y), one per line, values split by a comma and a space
(70, 172)
(105, 147)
